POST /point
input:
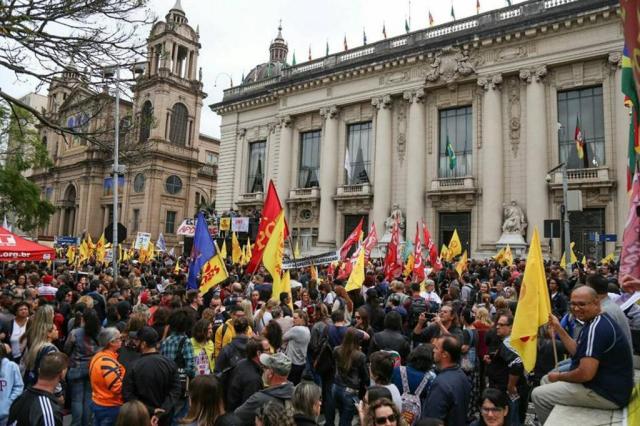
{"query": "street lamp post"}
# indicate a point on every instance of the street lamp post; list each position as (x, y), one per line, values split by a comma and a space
(565, 212)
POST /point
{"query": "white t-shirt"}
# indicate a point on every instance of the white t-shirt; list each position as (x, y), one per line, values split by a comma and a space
(16, 334)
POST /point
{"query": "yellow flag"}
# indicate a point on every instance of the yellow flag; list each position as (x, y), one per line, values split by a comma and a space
(213, 272)
(101, 250)
(236, 252)
(584, 261)
(609, 258)
(247, 250)
(408, 266)
(461, 266)
(574, 259)
(508, 256)
(444, 252)
(499, 257)
(151, 251)
(533, 305)
(357, 273)
(313, 272)
(71, 255)
(223, 249)
(455, 246)
(283, 286)
(274, 251)
(90, 243)
(176, 270)
(296, 251)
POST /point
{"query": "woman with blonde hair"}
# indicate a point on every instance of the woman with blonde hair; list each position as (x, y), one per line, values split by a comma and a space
(247, 307)
(483, 320)
(206, 403)
(40, 345)
(263, 315)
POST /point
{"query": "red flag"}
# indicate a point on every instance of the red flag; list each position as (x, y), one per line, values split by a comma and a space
(270, 211)
(630, 17)
(418, 266)
(353, 238)
(392, 261)
(371, 241)
(434, 259)
(345, 270)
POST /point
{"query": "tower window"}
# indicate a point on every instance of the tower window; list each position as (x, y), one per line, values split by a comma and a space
(179, 117)
(145, 121)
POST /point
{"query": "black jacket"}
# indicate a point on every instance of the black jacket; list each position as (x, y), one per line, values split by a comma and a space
(246, 413)
(390, 340)
(302, 420)
(357, 377)
(35, 408)
(234, 351)
(246, 379)
(153, 380)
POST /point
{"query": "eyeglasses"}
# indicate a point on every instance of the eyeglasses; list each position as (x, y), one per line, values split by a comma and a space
(502, 324)
(385, 420)
(491, 410)
(579, 304)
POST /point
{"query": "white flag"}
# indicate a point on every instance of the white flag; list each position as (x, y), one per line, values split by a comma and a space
(347, 166)
(5, 224)
(161, 244)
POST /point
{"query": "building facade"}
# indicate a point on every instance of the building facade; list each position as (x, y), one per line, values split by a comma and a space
(365, 131)
(170, 167)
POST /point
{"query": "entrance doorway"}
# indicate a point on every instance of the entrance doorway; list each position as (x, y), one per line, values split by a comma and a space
(448, 222)
(582, 224)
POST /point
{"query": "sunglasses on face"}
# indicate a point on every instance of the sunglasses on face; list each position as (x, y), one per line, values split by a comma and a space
(385, 419)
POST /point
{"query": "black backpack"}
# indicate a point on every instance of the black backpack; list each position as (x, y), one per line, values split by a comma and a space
(418, 306)
(225, 375)
(324, 362)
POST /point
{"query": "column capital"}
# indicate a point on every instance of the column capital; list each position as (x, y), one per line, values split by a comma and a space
(538, 73)
(487, 82)
(285, 121)
(412, 96)
(382, 102)
(242, 132)
(329, 112)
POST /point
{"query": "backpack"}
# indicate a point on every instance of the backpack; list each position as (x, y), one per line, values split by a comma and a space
(469, 360)
(472, 295)
(323, 364)
(183, 376)
(418, 306)
(411, 404)
(225, 375)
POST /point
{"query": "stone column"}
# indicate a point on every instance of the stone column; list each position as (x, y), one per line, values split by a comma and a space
(284, 165)
(382, 163)
(536, 150)
(492, 159)
(415, 159)
(328, 176)
(239, 181)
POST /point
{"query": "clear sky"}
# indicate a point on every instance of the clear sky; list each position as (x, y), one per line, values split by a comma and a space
(235, 34)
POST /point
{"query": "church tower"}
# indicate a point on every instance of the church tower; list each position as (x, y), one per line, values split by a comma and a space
(169, 94)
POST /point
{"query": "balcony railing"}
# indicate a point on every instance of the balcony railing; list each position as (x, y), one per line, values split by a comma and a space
(210, 170)
(354, 190)
(301, 193)
(453, 184)
(591, 174)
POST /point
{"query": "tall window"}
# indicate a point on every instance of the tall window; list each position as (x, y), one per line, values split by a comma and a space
(170, 223)
(255, 178)
(456, 128)
(309, 165)
(146, 117)
(358, 154)
(211, 158)
(136, 220)
(581, 108)
(179, 118)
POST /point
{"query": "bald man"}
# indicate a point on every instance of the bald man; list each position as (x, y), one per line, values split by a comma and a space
(601, 374)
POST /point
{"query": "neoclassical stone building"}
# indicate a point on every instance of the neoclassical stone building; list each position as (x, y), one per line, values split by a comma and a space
(176, 167)
(364, 131)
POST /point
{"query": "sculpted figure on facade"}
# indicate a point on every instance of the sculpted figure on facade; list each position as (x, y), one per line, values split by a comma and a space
(450, 64)
(514, 219)
(396, 214)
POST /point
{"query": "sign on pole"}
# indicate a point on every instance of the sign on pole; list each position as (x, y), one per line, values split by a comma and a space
(240, 224)
(142, 240)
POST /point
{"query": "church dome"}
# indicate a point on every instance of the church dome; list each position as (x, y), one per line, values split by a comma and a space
(278, 51)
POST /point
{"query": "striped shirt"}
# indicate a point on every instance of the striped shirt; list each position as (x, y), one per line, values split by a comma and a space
(35, 407)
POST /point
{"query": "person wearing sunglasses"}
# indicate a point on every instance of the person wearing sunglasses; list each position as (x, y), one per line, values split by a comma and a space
(494, 409)
(383, 412)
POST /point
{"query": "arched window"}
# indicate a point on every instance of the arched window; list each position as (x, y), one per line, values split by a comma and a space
(179, 119)
(146, 117)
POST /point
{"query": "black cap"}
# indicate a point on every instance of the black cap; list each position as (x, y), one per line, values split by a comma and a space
(146, 334)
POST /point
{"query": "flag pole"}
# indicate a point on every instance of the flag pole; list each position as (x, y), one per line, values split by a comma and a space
(553, 345)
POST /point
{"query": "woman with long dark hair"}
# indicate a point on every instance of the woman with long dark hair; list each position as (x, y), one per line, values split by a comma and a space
(206, 403)
(350, 381)
(273, 333)
(81, 346)
(361, 318)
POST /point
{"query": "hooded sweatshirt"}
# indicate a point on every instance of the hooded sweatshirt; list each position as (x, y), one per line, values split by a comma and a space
(11, 385)
(282, 393)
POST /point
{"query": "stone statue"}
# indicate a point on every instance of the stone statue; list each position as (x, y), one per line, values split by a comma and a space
(396, 214)
(514, 220)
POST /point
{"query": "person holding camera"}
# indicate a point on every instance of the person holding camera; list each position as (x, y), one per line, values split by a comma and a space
(440, 324)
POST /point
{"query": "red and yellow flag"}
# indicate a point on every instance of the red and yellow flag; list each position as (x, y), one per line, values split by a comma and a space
(274, 252)
(534, 306)
(213, 273)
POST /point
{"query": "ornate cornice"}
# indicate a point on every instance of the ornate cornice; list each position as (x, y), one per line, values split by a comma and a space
(529, 74)
(487, 82)
(412, 96)
(329, 112)
(382, 102)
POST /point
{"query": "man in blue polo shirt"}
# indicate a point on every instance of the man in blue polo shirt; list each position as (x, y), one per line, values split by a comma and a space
(601, 374)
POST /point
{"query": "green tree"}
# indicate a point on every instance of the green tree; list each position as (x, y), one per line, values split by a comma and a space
(21, 151)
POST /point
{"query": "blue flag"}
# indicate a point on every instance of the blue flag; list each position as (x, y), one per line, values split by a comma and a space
(203, 250)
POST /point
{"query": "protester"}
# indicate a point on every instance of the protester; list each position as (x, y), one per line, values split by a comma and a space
(494, 409)
(14, 329)
(297, 342)
(106, 375)
(203, 347)
(237, 349)
(383, 412)
(307, 403)
(246, 378)
(12, 384)
(134, 413)
(38, 405)
(273, 414)
(207, 403)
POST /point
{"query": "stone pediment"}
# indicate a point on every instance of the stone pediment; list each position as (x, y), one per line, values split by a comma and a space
(450, 64)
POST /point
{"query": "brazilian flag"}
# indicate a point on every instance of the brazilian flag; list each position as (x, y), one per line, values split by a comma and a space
(451, 155)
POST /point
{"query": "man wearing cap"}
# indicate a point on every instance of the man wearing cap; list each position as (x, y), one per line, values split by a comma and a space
(275, 368)
(153, 379)
(46, 290)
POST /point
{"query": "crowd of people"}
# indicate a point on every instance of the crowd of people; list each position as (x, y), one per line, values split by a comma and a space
(141, 349)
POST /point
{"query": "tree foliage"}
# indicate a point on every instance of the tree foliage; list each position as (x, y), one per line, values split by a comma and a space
(23, 150)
